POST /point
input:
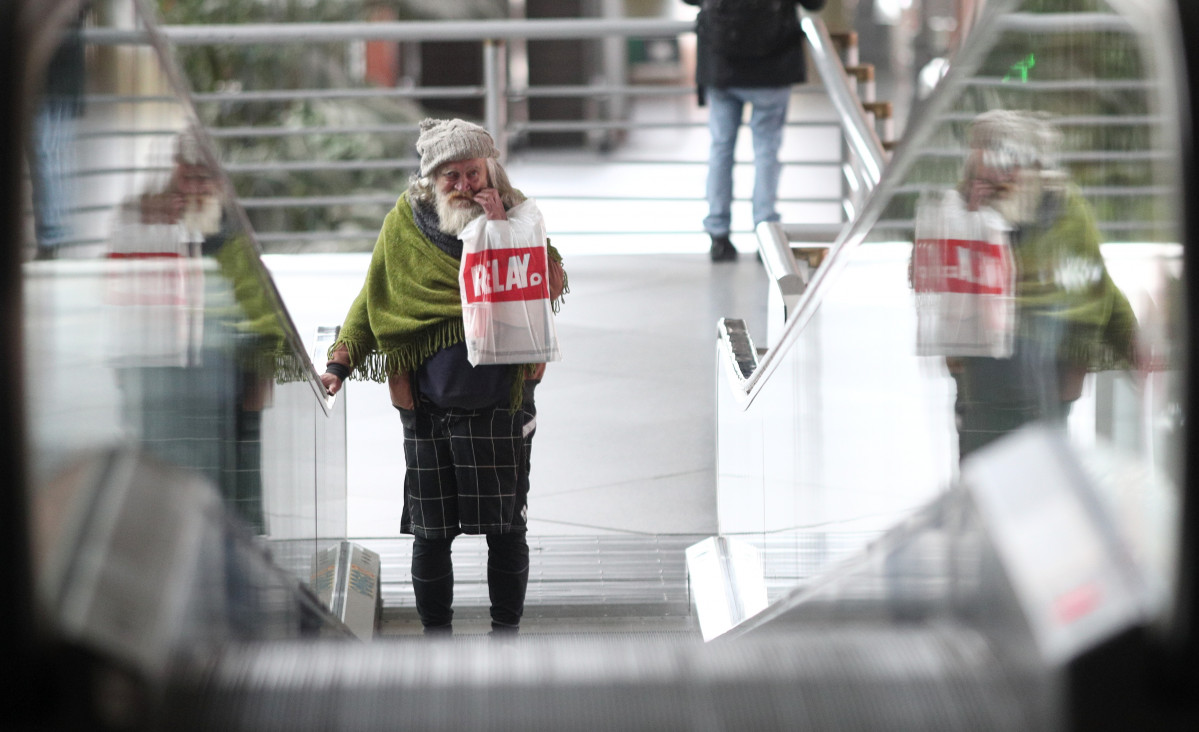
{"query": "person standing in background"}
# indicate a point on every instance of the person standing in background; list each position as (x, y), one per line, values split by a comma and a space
(52, 141)
(750, 52)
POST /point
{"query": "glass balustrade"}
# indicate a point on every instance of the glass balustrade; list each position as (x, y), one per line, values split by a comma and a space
(1020, 263)
(150, 321)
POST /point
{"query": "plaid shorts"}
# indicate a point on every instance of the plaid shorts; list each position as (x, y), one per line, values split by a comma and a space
(467, 469)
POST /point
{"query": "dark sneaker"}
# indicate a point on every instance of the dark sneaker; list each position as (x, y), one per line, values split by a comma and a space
(722, 249)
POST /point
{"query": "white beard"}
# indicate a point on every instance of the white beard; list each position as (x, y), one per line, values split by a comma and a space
(202, 215)
(1021, 204)
(452, 218)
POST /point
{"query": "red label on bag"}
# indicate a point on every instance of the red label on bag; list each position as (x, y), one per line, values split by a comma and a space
(961, 266)
(505, 275)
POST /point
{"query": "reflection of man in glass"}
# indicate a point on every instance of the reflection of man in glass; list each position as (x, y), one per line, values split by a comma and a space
(1070, 317)
(200, 350)
(190, 200)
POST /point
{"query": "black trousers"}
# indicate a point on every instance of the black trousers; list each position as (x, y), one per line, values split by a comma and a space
(996, 396)
(507, 579)
(467, 471)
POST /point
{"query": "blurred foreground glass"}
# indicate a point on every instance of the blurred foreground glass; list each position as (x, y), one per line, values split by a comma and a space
(1019, 264)
(150, 320)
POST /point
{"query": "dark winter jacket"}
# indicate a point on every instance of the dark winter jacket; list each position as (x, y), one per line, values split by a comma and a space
(783, 66)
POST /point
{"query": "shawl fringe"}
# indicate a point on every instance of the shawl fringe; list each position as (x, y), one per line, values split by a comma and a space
(372, 362)
(288, 366)
(556, 305)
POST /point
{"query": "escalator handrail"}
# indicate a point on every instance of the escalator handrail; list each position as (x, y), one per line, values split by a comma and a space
(860, 134)
(162, 45)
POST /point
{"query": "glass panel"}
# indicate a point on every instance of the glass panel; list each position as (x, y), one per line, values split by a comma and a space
(1021, 264)
(150, 319)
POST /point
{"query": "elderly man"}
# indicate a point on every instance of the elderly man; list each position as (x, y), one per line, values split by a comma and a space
(1071, 318)
(467, 429)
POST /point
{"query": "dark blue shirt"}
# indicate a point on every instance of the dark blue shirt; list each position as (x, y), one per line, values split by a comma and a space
(448, 380)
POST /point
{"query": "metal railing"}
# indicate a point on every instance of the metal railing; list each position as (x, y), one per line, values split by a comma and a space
(864, 159)
(861, 137)
(785, 272)
(502, 94)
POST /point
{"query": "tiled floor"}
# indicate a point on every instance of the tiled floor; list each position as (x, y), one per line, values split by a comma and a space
(626, 439)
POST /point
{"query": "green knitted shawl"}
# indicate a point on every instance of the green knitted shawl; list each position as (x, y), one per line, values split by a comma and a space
(263, 347)
(1063, 277)
(409, 307)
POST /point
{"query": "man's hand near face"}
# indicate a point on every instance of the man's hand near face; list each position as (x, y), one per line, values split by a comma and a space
(489, 199)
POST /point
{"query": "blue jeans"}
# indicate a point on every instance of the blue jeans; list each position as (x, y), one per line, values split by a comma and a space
(767, 115)
(53, 172)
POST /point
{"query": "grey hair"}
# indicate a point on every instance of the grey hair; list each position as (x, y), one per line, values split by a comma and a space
(422, 189)
(1016, 139)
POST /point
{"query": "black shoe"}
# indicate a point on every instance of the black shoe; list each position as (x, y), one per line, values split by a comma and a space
(722, 249)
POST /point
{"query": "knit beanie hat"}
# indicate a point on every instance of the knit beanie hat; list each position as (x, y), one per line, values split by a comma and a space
(446, 140)
(1014, 139)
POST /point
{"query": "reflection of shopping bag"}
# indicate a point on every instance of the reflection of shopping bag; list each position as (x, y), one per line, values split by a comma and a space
(504, 279)
(964, 278)
(155, 291)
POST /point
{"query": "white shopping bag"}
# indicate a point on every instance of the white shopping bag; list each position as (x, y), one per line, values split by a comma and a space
(155, 293)
(504, 281)
(964, 277)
